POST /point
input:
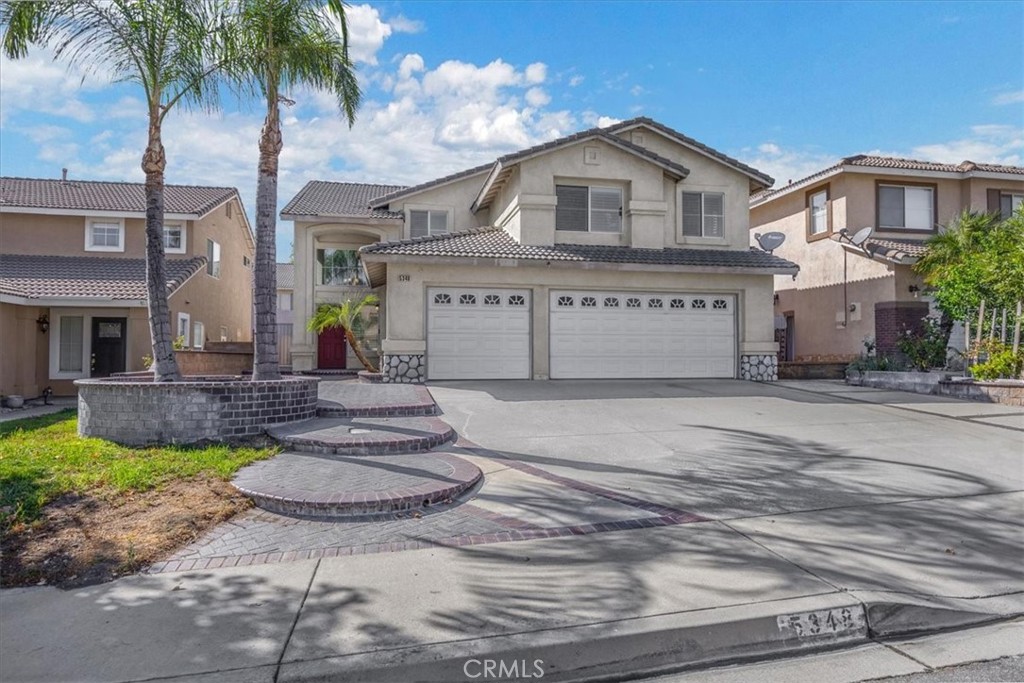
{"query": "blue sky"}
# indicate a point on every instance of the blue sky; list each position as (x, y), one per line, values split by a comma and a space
(786, 87)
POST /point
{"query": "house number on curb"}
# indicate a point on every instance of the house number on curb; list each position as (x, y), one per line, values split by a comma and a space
(402, 277)
(825, 622)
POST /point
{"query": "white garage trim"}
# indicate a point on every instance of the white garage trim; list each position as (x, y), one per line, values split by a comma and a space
(475, 333)
(624, 334)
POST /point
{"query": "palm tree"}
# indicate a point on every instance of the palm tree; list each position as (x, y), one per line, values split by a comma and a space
(283, 44)
(348, 316)
(167, 48)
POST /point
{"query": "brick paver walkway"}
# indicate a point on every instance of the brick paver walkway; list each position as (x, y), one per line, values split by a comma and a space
(358, 399)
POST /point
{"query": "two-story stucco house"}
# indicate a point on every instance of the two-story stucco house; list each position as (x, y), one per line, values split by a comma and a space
(848, 293)
(73, 277)
(620, 252)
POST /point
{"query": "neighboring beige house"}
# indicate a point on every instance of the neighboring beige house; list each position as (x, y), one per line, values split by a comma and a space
(72, 277)
(847, 293)
(614, 252)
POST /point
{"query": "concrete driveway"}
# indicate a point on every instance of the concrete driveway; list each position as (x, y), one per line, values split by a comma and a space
(868, 490)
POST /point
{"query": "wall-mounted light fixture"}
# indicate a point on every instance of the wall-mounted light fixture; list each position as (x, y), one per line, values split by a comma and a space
(914, 289)
(44, 323)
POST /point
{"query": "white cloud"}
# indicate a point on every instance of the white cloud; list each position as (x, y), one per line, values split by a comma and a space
(769, 148)
(366, 33)
(637, 90)
(536, 97)
(536, 72)
(410, 65)
(1012, 97)
(1000, 144)
(576, 80)
(786, 164)
(403, 24)
(38, 83)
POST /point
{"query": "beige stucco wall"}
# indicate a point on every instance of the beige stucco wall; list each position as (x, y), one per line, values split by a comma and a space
(23, 349)
(406, 300)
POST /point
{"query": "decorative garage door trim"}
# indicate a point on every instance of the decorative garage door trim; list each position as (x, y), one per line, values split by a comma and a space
(478, 333)
(624, 334)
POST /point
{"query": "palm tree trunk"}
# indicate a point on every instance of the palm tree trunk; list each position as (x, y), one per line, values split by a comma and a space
(165, 366)
(265, 362)
(357, 349)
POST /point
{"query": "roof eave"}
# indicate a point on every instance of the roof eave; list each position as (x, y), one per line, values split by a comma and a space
(505, 262)
(309, 217)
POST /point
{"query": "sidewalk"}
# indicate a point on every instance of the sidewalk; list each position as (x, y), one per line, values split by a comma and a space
(37, 409)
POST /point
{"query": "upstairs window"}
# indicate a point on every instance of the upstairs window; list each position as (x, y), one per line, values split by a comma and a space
(104, 235)
(212, 258)
(339, 267)
(1009, 203)
(588, 209)
(906, 207)
(174, 238)
(818, 219)
(703, 214)
(423, 223)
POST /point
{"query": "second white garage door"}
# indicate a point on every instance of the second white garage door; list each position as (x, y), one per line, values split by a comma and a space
(478, 333)
(615, 334)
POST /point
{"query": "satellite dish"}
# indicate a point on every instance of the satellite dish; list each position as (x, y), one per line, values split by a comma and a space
(770, 241)
(859, 237)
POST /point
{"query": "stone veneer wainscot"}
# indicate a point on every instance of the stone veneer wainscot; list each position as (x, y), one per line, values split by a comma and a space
(759, 368)
(404, 368)
(137, 412)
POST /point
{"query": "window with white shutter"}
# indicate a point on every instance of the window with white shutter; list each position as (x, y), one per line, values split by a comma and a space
(703, 214)
(588, 209)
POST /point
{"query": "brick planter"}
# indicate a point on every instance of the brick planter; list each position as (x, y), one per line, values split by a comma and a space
(1006, 391)
(136, 411)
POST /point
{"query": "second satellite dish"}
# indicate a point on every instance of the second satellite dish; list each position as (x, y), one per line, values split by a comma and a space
(770, 241)
(858, 238)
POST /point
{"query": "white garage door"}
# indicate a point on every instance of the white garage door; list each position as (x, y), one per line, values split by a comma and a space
(478, 333)
(642, 334)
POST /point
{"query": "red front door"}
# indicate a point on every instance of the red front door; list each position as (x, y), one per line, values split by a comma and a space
(331, 349)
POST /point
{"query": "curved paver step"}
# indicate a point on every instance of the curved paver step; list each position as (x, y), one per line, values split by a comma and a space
(364, 435)
(350, 399)
(309, 484)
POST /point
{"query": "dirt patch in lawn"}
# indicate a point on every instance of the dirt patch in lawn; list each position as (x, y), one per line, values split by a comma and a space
(85, 539)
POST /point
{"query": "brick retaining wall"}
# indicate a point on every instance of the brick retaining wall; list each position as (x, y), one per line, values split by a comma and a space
(138, 412)
(1008, 392)
(208, 363)
(892, 318)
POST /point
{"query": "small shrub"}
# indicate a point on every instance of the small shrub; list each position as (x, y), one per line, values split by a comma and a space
(1000, 361)
(179, 343)
(867, 363)
(147, 362)
(925, 349)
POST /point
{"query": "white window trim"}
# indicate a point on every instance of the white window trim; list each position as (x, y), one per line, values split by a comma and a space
(198, 340)
(89, 220)
(590, 211)
(188, 327)
(824, 212)
(184, 238)
(702, 238)
(409, 208)
(87, 314)
(210, 261)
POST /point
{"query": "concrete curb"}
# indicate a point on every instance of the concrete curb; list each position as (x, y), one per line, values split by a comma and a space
(653, 645)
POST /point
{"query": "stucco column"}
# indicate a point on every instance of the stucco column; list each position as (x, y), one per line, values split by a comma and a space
(302, 301)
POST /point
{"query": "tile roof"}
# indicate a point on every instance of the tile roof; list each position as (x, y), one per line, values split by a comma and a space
(93, 195)
(92, 277)
(643, 120)
(873, 161)
(325, 198)
(496, 243)
(286, 276)
(896, 250)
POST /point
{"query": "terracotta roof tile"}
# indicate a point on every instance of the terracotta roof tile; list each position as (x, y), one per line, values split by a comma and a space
(286, 276)
(93, 277)
(92, 195)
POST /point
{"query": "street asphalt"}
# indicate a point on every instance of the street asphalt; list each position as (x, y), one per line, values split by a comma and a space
(802, 516)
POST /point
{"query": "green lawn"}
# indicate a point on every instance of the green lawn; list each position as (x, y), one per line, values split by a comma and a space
(43, 458)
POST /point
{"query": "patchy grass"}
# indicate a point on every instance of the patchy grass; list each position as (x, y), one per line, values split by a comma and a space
(72, 507)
